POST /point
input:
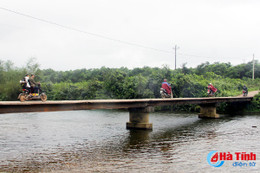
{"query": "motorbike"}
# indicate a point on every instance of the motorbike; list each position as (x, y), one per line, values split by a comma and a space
(210, 93)
(27, 95)
(164, 94)
(245, 92)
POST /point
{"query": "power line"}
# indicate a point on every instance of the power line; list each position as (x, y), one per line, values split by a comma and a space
(198, 56)
(85, 32)
(99, 35)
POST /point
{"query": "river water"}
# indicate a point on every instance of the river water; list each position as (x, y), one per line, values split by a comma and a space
(98, 141)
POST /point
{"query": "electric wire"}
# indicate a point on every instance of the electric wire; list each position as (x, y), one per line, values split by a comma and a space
(85, 32)
(96, 35)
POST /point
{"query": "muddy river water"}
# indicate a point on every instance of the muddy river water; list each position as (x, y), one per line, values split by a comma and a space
(98, 141)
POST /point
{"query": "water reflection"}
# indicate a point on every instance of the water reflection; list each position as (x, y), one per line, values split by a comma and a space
(137, 137)
(97, 141)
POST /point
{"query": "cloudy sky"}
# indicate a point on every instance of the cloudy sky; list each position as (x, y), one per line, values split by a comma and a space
(72, 34)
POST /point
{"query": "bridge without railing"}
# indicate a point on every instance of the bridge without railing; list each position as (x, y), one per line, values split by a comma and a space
(138, 108)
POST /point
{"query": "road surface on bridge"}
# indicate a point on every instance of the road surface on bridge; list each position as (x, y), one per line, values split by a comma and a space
(65, 105)
(250, 94)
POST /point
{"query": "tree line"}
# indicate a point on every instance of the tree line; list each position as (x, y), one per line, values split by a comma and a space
(124, 83)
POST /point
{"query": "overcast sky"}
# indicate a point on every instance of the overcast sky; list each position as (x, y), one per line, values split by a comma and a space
(147, 30)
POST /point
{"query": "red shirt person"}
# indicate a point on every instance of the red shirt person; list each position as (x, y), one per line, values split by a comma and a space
(212, 88)
(166, 86)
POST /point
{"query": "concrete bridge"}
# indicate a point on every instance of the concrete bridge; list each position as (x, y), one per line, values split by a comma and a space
(138, 108)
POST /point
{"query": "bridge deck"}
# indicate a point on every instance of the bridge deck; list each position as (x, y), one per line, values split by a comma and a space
(38, 106)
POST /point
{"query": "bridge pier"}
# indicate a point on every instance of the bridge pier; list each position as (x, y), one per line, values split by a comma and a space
(208, 111)
(139, 118)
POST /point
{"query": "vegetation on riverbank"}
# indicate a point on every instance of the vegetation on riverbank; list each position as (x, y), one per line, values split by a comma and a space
(124, 83)
(254, 106)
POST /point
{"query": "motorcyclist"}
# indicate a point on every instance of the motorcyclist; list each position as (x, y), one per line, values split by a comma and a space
(25, 82)
(245, 89)
(212, 88)
(34, 85)
(166, 86)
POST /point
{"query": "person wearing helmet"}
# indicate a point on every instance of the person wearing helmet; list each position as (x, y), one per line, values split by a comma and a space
(212, 88)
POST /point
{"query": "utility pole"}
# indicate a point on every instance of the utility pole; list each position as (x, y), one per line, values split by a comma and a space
(253, 73)
(175, 50)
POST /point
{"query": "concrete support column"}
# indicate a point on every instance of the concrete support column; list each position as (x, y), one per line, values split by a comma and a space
(139, 118)
(208, 111)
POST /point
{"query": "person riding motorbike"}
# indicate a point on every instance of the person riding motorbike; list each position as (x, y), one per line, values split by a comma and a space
(211, 89)
(25, 83)
(166, 88)
(31, 90)
(245, 90)
(34, 85)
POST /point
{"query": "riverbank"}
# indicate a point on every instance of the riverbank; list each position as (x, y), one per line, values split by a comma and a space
(124, 83)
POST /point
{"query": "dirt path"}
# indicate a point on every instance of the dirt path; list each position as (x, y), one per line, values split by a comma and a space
(250, 94)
